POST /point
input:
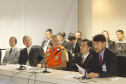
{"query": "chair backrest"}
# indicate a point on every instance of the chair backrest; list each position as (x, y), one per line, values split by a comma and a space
(69, 63)
(120, 49)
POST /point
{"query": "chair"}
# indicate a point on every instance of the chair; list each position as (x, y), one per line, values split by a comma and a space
(120, 51)
(69, 63)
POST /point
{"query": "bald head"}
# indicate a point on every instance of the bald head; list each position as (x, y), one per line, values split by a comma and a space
(55, 41)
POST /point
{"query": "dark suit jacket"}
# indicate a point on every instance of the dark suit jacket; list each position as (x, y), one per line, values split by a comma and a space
(66, 45)
(111, 44)
(110, 62)
(77, 47)
(36, 54)
(87, 62)
(48, 46)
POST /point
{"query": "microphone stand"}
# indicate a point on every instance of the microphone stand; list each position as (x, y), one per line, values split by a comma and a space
(45, 71)
(85, 77)
(21, 67)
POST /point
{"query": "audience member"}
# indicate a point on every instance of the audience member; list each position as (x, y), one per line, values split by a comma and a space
(75, 44)
(47, 43)
(109, 44)
(32, 54)
(120, 36)
(12, 54)
(63, 42)
(78, 35)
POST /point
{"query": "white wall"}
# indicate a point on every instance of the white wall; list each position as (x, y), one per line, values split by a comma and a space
(34, 17)
(107, 15)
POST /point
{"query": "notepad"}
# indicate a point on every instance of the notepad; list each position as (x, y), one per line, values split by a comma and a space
(81, 69)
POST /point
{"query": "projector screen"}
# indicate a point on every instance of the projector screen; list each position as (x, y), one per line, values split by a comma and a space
(34, 17)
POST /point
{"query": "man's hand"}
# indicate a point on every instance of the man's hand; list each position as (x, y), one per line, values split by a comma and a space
(39, 65)
(93, 75)
(80, 71)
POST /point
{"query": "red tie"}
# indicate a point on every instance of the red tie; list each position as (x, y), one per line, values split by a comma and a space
(82, 61)
(100, 63)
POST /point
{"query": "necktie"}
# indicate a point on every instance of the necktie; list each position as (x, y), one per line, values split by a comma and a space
(100, 63)
(82, 61)
(10, 51)
(73, 49)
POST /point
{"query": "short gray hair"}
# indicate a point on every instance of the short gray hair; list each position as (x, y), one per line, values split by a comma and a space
(26, 37)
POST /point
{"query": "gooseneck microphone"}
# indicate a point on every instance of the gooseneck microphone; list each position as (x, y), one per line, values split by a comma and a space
(45, 71)
(85, 77)
(21, 67)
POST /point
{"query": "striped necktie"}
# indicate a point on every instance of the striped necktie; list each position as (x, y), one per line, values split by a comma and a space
(100, 64)
(82, 61)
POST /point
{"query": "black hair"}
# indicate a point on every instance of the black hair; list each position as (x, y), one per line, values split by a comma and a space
(71, 36)
(63, 34)
(49, 30)
(89, 43)
(99, 38)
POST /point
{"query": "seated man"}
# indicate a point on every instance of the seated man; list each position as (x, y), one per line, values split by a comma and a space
(120, 36)
(56, 56)
(32, 54)
(63, 42)
(12, 54)
(83, 59)
(104, 62)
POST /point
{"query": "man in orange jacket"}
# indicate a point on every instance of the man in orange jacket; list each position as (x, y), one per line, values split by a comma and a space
(56, 56)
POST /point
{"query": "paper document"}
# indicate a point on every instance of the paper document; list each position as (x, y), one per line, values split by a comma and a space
(81, 69)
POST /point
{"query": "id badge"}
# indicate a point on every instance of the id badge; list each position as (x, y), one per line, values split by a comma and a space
(56, 58)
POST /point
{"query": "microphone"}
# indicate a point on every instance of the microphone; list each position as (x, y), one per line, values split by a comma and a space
(85, 77)
(45, 71)
(21, 65)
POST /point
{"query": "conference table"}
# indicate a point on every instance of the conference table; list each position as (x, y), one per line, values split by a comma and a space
(9, 74)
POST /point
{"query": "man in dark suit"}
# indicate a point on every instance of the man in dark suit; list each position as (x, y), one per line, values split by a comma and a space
(47, 43)
(32, 54)
(75, 44)
(83, 59)
(75, 47)
(63, 42)
(104, 62)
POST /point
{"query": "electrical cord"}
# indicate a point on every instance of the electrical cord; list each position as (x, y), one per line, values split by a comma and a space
(31, 76)
(15, 73)
(34, 73)
(86, 81)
